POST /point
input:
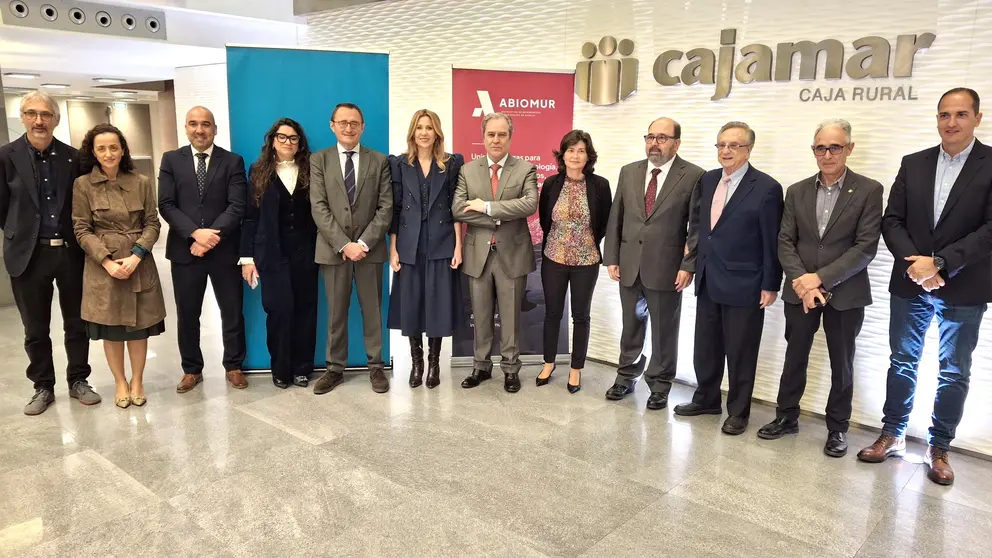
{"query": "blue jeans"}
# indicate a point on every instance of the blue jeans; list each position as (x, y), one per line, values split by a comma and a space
(909, 320)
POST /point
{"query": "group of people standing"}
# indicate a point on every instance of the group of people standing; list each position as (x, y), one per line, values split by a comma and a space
(86, 222)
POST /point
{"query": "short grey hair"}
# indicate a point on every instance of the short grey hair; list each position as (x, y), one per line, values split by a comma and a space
(735, 124)
(497, 116)
(839, 123)
(39, 95)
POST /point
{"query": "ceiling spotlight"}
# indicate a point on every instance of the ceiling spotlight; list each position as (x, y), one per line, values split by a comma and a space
(56, 85)
(124, 93)
(127, 99)
(109, 80)
(21, 75)
(82, 98)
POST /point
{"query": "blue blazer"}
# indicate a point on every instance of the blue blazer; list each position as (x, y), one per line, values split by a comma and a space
(407, 216)
(738, 258)
(260, 238)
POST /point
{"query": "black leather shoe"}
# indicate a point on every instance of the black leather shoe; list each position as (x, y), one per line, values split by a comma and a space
(512, 382)
(280, 383)
(619, 391)
(836, 445)
(694, 409)
(544, 381)
(574, 388)
(302, 381)
(778, 428)
(477, 377)
(657, 401)
(734, 426)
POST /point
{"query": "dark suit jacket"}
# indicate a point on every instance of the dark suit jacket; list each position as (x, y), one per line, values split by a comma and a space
(962, 235)
(848, 245)
(598, 195)
(19, 206)
(653, 246)
(220, 208)
(407, 210)
(738, 258)
(260, 229)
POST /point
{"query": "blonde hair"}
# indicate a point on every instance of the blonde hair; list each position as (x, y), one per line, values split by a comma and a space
(437, 151)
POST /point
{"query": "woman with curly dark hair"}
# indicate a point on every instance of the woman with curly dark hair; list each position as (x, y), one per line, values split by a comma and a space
(115, 219)
(574, 208)
(278, 241)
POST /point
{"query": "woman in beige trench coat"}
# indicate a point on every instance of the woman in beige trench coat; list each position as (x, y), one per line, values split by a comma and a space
(115, 220)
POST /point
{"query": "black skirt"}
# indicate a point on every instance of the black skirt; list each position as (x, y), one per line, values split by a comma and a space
(103, 332)
(426, 296)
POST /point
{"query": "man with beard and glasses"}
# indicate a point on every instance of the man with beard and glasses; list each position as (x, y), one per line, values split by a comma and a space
(650, 250)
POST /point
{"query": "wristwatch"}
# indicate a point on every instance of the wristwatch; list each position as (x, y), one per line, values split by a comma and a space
(939, 263)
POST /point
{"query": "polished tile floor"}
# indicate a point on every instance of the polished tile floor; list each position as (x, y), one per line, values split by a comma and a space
(452, 472)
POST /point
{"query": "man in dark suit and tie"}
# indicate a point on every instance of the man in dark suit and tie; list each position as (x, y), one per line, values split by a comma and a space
(738, 276)
(40, 249)
(351, 198)
(645, 250)
(202, 194)
(495, 196)
(829, 235)
(938, 226)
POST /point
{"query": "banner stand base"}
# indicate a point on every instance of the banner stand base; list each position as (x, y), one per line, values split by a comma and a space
(526, 360)
(347, 370)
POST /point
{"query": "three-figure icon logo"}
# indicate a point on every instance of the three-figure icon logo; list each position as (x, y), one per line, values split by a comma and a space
(606, 81)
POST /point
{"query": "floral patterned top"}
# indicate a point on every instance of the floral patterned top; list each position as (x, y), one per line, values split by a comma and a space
(570, 240)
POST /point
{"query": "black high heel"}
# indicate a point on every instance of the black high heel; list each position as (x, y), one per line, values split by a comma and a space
(544, 381)
(576, 387)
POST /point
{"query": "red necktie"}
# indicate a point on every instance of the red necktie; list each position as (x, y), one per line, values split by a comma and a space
(652, 194)
(494, 182)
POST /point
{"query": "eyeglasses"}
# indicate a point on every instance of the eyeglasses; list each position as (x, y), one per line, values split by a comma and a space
(731, 146)
(33, 114)
(662, 139)
(283, 138)
(348, 124)
(834, 149)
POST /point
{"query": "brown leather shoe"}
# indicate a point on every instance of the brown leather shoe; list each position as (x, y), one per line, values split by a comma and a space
(380, 383)
(189, 382)
(938, 468)
(885, 446)
(328, 381)
(237, 379)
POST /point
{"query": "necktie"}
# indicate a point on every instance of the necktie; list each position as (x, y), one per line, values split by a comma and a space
(652, 194)
(201, 172)
(349, 177)
(494, 182)
(719, 200)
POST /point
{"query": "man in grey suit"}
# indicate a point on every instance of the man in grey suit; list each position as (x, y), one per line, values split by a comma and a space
(495, 195)
(351, 198)
(650, 250)
(830, 229)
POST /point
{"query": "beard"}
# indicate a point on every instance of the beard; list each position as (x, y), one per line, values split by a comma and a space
(659, 158)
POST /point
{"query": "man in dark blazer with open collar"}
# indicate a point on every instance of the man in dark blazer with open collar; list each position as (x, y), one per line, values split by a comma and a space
(40, 249)
(830, 230)
(202, 193)
(938, 226)
(645, 250)
(738, 276)
(351, 198)
(495, 196)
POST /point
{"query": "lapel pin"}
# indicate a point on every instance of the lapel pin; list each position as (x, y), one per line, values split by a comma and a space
(850, 191)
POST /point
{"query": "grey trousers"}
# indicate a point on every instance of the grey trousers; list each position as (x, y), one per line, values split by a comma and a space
(638, 303)
(338, 281)
(509, 294)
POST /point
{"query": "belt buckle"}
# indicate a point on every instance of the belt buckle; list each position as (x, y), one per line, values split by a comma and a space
(53, 242)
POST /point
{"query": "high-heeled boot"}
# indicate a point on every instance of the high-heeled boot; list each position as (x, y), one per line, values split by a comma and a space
(417, 357)
(433, 362)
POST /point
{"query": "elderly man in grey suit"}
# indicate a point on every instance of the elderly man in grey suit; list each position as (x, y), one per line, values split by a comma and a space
(830, 229)
(495, 195)
(351, 198)
(650, 250)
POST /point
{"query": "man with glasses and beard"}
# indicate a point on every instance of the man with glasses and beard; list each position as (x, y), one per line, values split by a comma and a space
(40, 249)
(650, 249)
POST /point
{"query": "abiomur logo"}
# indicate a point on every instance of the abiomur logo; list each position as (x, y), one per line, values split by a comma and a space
(871, 59)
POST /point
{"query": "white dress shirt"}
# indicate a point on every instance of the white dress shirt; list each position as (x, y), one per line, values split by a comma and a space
(499, 174)
(210, 155)
(288, 172)
(665, 169)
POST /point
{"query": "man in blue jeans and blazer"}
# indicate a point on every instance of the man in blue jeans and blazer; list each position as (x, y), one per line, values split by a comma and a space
(737, 275)
(938, 226)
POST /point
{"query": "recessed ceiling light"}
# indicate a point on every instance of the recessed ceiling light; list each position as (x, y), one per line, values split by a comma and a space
(108, 80)
(120, 106)
(21, 75)
(124, 93)
(82, 97)
(56, 85)
(127, 99)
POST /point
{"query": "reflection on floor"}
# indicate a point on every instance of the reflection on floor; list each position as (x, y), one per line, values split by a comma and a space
(267, 472)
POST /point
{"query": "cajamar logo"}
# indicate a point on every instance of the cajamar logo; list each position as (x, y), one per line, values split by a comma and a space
(606, 81)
